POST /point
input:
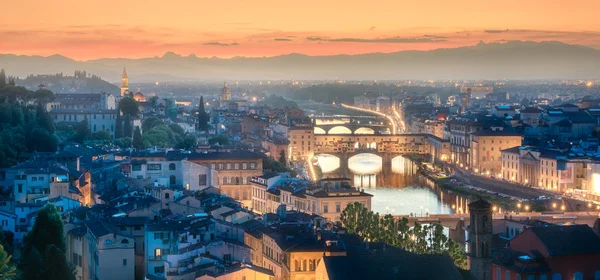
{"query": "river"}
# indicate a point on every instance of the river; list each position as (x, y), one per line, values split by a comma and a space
(399, 190)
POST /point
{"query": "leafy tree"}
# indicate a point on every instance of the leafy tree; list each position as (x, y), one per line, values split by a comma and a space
(101, 135)
(43, 95)
(221, 140)
(282, 157)
(7, 270)
(177, 129)
(82, 132)
(123, 142)
(420, 239)
(202, 116)
(2, 79)
(189, 141)
(137, 138)
(47, 236)
(151, 122)
(153, 100)
(128, 106)
(44, 119)
(270, 163)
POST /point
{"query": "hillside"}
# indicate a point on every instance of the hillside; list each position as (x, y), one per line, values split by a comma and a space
(511, 60)
(60, 83)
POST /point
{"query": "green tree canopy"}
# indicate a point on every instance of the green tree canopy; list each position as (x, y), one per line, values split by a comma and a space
(420, 239)
(220, 139)
(177, 129)
(82, 131)
(47, 236)
(150, 123)
(7, 269)
(128, 106)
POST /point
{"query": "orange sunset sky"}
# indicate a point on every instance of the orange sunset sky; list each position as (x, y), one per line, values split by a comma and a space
(90, 29)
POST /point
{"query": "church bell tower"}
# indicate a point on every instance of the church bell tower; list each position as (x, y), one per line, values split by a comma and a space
(124, 83)
(480, 240)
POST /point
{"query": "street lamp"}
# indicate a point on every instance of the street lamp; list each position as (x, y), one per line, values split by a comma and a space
(554, 205)
(526, 207)
(562, 208)
(519, 205)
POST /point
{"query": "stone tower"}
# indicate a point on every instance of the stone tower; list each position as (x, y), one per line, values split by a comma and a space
(225, 95)
(480, 240)
(463, 103)
(469, 96)
(124, 83)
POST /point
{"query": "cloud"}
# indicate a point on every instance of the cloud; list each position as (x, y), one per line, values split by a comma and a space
(394, 40)
(282, 39)
(220, 44)
(372, 28)
(435, 36)
(496, 30)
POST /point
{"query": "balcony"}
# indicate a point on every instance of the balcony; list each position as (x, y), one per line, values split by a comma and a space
(155, 258)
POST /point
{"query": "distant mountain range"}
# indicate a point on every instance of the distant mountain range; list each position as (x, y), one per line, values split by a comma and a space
(510, 60)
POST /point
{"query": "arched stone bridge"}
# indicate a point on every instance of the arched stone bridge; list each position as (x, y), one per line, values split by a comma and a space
(350, 129)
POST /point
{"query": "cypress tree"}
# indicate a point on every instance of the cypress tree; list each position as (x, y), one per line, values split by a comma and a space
(127, 129)
(119, 127)
(44, 248)
(2, 79)
(137, 138)
(202, 117)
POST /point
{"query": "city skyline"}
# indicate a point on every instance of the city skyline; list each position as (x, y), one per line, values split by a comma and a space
(112, 29)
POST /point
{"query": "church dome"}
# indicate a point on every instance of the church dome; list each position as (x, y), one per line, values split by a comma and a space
(139, 97)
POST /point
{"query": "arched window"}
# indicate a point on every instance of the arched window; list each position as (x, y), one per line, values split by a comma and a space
(556, 276)
(172, 180)
(578, 275)
(172, 166)
(296, 265)
(304, 264)
(237, 180)
(108, 242)
(124, 241)
(166, 195)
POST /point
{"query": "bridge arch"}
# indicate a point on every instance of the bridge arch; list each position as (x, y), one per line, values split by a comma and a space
(365, 164)
(364, 130)
(340, 130)
(319, 130)
(328, 162)
(398, 165)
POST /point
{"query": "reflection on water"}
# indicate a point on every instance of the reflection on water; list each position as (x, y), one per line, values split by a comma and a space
(398, 188)
(365, 164)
